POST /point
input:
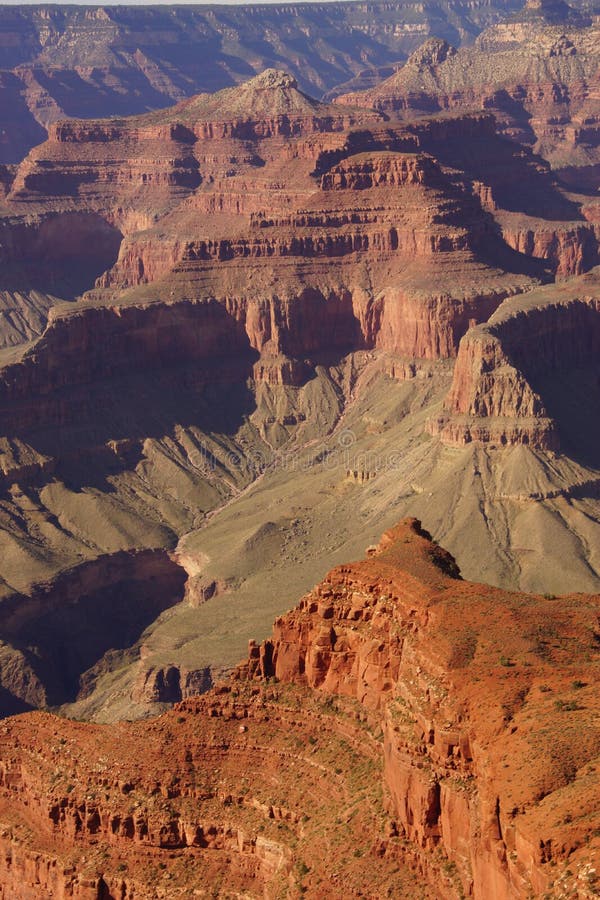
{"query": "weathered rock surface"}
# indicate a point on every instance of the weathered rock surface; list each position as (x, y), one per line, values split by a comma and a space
(401, 718)
(503, 367)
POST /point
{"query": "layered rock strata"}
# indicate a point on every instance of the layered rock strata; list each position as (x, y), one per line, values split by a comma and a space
(348, 276)
(502, 368)
(393, 675)
(103, 62)
(536, 72)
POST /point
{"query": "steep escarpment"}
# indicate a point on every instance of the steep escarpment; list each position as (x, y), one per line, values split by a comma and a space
(82, 345)
(446, 691)
(348, 276)
(59, 253)
(185, 189)
(197, 182)
(430, 732)
(500, 381)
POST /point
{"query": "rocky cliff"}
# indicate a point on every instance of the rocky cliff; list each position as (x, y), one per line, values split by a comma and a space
(350, 275)
(437, 736)
(499, 381)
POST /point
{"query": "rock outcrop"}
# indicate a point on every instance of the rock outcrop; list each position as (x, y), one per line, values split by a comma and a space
(441, 734)
(502, 368)
(401, 645)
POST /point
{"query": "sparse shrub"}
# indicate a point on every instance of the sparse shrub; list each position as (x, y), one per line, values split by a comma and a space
(302, 869)
(566, 705)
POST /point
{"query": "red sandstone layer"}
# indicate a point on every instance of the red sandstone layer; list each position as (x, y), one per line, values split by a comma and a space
(473, 708)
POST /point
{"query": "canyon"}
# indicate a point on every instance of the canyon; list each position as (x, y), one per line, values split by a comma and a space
(227, 321)
(431, 736)
(244, 333)
(94, 61)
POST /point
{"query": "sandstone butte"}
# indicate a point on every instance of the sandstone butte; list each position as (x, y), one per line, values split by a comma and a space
(536, 71)
(402, 733)
(253, 273)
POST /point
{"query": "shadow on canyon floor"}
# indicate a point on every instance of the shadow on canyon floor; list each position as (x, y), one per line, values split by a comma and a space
(520, 181)
(11, 705)
(89, 613)
(132, 409)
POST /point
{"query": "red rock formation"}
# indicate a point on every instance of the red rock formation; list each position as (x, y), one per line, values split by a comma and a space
(359, 236)
(101, 342)
(571, 249)
(474, 708)
(454, 713)
(262, 239)
(348, 275)
(492, 398)
(170, 684)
